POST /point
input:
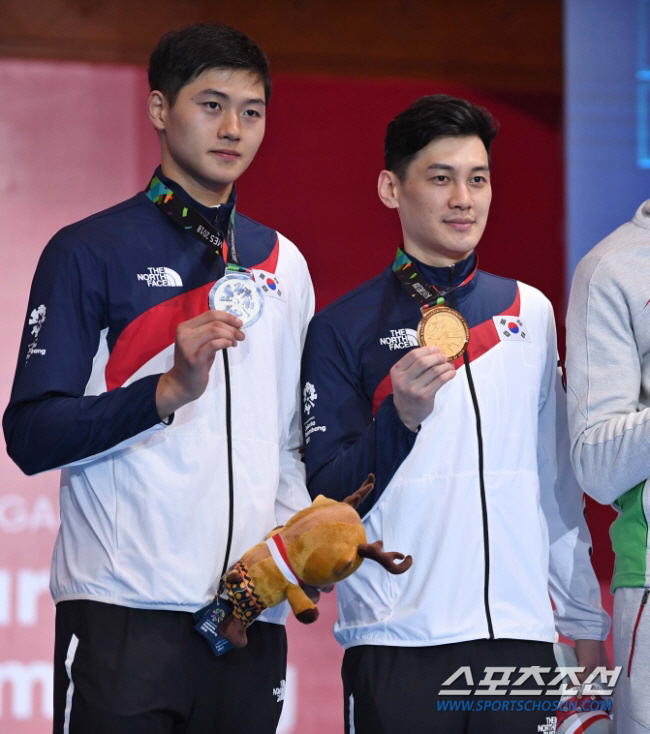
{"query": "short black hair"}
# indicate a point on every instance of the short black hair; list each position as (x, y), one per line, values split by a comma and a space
(180, 56)
(431, 117)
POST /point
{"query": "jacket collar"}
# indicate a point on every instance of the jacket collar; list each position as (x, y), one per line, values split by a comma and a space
(448, 277)
(218, 216)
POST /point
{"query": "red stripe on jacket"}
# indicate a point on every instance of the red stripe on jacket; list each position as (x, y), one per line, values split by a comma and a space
(155, 329)
(482, 338)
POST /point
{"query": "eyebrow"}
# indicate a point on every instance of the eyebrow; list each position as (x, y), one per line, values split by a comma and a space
(223, 95)
(447, 167)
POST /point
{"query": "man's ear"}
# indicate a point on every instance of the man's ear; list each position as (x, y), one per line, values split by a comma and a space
(388, 189)
(157, 108)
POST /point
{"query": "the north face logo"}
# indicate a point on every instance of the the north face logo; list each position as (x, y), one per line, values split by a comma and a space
(161, 277)
(279, 692)
(400, 339)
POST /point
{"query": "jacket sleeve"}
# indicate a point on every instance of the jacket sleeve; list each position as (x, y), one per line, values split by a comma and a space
(610, 431)
(343, 442)
(49, 422)
(292, 493)
(573, 585)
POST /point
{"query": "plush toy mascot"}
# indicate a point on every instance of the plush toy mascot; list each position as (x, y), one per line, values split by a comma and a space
(318, 546)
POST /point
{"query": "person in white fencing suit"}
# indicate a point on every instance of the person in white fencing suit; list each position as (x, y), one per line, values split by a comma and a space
(608, 380)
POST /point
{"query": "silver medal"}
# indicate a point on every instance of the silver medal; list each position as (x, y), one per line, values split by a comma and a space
(238, 294)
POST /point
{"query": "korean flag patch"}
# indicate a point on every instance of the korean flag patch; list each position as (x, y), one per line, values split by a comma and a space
(270, 284)
(511, 328)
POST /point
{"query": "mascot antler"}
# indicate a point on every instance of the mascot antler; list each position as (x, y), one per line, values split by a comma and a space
(375, 552)
(354, 500)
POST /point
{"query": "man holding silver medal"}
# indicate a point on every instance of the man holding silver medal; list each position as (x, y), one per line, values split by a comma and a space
(442, 380)
(161, 325)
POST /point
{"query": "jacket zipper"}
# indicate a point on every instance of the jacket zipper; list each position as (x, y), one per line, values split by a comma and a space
(644, 600)
(231, 479)
(479, 435)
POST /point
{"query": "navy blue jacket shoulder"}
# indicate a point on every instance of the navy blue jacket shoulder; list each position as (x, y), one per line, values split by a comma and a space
(96, 278)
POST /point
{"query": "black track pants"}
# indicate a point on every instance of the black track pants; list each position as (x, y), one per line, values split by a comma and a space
(141, 671)
(394, 690)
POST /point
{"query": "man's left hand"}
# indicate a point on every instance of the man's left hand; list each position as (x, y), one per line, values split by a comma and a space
(590, 654)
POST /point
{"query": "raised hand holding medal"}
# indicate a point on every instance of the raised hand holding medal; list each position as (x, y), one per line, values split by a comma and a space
(443, 336)
(198, 339)
(236, 292)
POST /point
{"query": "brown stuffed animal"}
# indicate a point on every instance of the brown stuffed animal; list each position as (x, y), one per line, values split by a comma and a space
(318, 546)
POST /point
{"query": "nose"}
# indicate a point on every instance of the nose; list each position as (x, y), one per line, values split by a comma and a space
(461, 196)
(230, 127)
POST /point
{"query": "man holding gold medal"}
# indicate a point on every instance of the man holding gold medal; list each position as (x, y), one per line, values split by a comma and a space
(442, 380)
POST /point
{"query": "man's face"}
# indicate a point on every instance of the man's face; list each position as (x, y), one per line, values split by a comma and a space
(444, 200)
(211, 133)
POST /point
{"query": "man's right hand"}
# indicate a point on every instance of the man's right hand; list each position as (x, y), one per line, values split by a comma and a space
(197, 342)
(416, 379)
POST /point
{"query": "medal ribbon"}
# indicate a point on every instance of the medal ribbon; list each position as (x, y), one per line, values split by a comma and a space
(188, 218)
(279, 554)
(424, 292)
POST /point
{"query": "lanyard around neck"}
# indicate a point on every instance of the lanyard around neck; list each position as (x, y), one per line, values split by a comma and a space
(424, 292)
(188, 218)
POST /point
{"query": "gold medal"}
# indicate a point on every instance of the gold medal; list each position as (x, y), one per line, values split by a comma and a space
(444, 328)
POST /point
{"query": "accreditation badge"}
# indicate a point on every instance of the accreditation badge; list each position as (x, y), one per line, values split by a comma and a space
(444, 328)
(238, 294)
